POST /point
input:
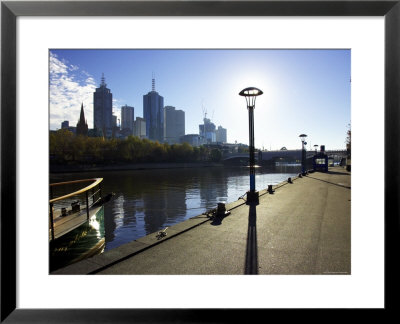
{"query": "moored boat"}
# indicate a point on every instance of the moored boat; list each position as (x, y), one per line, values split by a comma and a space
(76, 227)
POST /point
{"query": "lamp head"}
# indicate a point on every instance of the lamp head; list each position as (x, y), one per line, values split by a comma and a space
(303, 137)
(250, 94)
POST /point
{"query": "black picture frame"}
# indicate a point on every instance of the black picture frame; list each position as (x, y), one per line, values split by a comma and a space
(10, 10)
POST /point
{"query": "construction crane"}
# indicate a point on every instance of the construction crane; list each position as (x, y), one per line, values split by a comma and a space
(204, 109)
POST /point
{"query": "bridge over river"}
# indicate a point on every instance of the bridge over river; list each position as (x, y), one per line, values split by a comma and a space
(292, 155)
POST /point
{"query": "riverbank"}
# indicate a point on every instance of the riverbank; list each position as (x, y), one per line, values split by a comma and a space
(302, 228)
(55, 168)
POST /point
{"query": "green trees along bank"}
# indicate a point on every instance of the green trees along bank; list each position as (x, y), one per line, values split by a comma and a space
(67, 148)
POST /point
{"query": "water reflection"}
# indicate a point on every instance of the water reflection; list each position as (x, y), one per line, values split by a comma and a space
(214, 187)
(147, 201)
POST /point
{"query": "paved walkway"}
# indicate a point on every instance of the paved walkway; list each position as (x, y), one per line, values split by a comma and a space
(302, 228)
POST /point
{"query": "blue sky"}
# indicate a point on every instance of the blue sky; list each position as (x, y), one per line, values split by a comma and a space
(305, 91)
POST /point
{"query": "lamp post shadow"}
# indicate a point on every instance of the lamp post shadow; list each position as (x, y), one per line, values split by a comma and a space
(251, 261)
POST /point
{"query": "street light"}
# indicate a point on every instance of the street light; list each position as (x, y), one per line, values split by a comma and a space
(316, 146)
(303, 152)
(250, 94)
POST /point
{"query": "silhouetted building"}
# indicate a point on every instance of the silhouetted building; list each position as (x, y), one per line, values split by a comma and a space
(65, 124)
(139, 127)
(102, 109)
(127, 119)
(82, 126)
(207, 130)
(153, 113)
(220, 135)
(174, 124)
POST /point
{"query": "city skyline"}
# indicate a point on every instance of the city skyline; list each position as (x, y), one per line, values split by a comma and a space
(305, 91)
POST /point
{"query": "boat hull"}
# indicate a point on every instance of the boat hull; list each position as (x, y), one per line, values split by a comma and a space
(81, 243)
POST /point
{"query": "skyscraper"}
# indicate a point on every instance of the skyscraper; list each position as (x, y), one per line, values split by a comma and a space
(174, 124)
(127, 119)
(82, 126)
(220, 134)
(102, 109)
(153, 113)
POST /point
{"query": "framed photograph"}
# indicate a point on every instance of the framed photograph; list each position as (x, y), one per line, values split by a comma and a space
(35, 33)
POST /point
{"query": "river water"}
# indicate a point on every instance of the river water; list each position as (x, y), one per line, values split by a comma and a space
(147, 201)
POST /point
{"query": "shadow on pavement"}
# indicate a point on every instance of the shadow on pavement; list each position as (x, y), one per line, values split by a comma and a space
(338, 173)
(336, 184)
(251, 263)
(217, 220)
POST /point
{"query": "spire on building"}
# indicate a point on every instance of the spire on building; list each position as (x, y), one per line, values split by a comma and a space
(153, 83)
(103, 81)
(82, 127)
(82, 117)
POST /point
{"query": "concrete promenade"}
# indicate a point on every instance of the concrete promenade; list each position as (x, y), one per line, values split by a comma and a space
(301, 228)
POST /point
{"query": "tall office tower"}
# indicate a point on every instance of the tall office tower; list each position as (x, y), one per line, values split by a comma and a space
(102, 109)
(82, 126)
(139, 127)
(174, 124)
(153, 113)
(220, 135)
(127, 119)
(65, 124)
(207, 131)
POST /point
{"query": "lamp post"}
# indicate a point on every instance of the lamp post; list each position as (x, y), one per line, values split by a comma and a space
(316, 146)
(250, 94)
(303, 152)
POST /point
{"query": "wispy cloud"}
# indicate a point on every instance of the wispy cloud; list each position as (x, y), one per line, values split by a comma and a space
(69, 88)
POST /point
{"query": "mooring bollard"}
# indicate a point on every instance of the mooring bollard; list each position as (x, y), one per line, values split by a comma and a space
(270, 190)
(289, 180)
(221, 209)
(300, 176)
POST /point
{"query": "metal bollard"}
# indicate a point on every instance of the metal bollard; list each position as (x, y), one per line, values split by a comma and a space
(221, 209)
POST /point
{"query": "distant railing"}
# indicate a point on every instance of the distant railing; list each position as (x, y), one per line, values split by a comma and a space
(95, 182)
